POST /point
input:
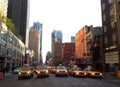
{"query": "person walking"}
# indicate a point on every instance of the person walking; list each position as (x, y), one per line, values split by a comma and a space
(3, 71)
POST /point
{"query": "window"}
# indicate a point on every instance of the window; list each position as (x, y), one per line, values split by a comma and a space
(112, 24)
(15, 42)
(104, 17)
(108, 26)
(2, 49)
(3, 35)
(14, 54)
(103, 6)
(114, 37)
(106, 40)
(112, 11)
(110, 38)
(110, 1)
(10, 39)
(105, 29)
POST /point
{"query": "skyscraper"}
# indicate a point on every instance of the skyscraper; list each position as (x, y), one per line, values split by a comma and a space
(73, 39)
(35, 41)
(18, 11)
(38, 26)
(56, 38)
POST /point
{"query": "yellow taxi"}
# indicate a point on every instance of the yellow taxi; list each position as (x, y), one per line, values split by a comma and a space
(52, 69)
(25, 72)
(94, 73)
(61, 71)
(42, 72)
(78, 72)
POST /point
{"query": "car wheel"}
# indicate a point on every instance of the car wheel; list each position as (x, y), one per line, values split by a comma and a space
(19, 78)
(56, 75)
(38, 77)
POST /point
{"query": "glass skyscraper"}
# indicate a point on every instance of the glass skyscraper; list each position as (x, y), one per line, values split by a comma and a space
(57, 36)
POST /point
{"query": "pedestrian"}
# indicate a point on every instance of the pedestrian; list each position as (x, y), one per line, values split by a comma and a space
(3, 71)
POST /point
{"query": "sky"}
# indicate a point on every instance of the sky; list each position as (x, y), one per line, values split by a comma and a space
(69, 16)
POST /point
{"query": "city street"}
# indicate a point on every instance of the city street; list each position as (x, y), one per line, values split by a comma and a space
(52, 81)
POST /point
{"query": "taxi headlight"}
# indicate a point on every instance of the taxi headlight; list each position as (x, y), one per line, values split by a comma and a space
(93, 73)
(47, 72)
(66, 71)
(100, 74)
(28, 72)
(19, 73)
(38, 71)
(85, 73)
(77, 72)
(57, 71)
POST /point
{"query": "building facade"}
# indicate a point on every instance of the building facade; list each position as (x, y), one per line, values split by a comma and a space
(73, 39)
(68, 51)
(80, 43)
(38, 26)
(12, 49)
(95, 47)
(80, 47)
(34, 43)
(48, 57)
(57, 58)
(111, 37)
(56, 37)
(18, 11)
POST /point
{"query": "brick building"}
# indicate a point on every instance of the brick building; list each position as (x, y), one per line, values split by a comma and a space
(68, 50)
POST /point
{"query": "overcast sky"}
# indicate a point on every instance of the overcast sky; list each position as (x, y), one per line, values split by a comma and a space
(69, 16)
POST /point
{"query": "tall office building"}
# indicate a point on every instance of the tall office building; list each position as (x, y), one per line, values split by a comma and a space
(73, 39)
(35, 41)
(38, 26)
(18, 11)
(111, 36)
(56, 38)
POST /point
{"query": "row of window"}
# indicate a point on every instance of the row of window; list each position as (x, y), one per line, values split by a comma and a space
(10, 45)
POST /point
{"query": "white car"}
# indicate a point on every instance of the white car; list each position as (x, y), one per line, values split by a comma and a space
(16, 71)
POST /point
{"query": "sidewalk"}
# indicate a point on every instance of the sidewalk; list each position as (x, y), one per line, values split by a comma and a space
(111, 77)
(8, 74)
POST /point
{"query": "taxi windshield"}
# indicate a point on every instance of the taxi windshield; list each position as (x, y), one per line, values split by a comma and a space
(25, 68)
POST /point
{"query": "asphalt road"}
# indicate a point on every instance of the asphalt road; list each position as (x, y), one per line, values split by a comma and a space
(52, 81)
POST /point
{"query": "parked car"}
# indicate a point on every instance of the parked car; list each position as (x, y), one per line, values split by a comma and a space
(61, 71)
(25, 72)
(42, 72)
(16, 71)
